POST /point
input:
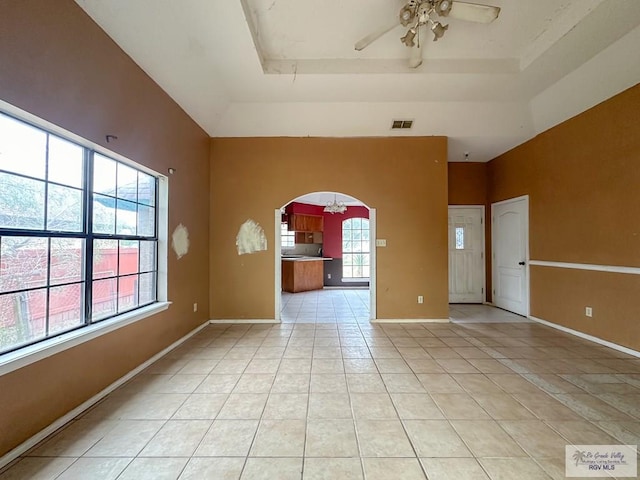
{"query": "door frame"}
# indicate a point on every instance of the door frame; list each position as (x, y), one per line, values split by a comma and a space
(373, 272)
(277, 257)
(527, 283)
(482, 243)
(278, 265)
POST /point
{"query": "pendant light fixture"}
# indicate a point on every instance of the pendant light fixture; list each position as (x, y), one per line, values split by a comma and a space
(335, 207)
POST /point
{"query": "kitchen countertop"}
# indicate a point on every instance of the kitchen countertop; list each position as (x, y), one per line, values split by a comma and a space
(304, 259)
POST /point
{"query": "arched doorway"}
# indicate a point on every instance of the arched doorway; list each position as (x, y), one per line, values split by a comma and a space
(293, 246)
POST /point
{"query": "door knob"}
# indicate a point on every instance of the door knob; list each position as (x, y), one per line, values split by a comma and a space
(520, 263)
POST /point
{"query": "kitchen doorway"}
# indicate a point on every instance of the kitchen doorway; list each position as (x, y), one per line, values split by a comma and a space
(336, 306)
(308, 260)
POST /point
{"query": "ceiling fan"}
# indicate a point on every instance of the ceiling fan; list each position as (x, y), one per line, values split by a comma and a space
(418, 15)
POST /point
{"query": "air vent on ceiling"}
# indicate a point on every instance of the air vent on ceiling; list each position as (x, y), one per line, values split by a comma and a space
(401, 124)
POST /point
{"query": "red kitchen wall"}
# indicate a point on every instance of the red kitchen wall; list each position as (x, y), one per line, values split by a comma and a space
(332, 234)
(332, 237)
(304, 208)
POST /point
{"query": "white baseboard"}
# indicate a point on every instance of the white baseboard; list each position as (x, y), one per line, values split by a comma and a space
(410, 320)
(247, 320)
(586, 336)
(60, 422)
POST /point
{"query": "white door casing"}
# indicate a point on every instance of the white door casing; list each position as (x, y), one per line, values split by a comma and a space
(466, 254)
(373, 273)
(510, 234)
(277, 257)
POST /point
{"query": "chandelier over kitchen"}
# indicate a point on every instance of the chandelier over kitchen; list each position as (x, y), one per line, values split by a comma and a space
(335, 207)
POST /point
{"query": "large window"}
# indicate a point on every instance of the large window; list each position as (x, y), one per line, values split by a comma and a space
(356, 260)
(78, 235)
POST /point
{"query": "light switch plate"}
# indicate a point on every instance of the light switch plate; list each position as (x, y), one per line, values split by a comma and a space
(381, 242)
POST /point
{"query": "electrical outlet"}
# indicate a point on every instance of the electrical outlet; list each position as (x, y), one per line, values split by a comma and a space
(420, 299)
(195, 307)
(329, 276)
(588, 311)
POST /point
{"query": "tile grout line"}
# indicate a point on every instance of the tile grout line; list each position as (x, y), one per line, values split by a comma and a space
(527, 365)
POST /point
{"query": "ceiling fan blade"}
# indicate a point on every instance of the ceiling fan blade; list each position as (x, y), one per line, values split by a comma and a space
(473, 12)
(415, 59)
(373, 36)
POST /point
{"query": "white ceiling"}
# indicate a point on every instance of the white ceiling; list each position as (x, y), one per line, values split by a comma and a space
(324, 198)
(289, 68)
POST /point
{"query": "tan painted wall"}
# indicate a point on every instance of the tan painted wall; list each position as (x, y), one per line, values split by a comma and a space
(582, 177)
(467, 183)
(405, 179)
(57, 64)
(560, 294)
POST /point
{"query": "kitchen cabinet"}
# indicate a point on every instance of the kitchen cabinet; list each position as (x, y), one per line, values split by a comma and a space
(302, 275)
(308, 237)
(298, 222)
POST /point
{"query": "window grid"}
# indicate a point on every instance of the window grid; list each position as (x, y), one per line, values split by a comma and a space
(356, 258)
(287, 238)
(47, 222)
(459, 238)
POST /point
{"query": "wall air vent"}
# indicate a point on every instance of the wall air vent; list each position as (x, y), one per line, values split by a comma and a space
(401, 124)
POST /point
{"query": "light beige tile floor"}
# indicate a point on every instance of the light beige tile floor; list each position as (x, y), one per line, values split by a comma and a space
(328, 395)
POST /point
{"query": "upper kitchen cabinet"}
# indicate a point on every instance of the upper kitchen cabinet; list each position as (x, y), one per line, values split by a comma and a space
(308, 237)
(305, 223)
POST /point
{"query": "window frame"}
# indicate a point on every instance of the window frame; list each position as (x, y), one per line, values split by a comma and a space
(287, 237)
(90, 328)
(459, 238)
(352, 252)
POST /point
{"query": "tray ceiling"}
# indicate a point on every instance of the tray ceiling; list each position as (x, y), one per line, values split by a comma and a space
(289, 67)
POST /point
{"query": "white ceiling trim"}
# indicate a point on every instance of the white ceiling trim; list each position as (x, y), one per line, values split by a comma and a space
(491, 66)
(590, 84)
(565, 18)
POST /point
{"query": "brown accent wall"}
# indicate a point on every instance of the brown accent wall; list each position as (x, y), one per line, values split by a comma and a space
(251, 177)
(468, 186)
(56, 63)
(467, 183)
(582, 179)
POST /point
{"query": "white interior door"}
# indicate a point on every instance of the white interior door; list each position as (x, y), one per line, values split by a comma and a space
(510, 227)
(466, 255)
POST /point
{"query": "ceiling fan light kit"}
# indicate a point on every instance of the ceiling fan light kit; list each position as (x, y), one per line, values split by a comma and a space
(418, 13)
(438, 30)
(406, 15)
(408, 38)
(443, 7)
